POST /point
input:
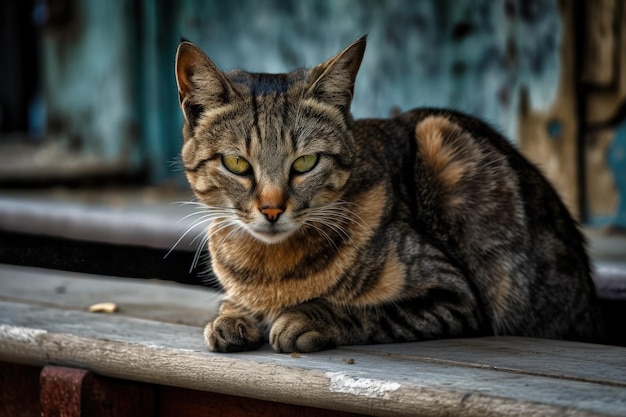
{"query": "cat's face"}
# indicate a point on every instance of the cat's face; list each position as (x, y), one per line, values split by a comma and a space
(269, 154)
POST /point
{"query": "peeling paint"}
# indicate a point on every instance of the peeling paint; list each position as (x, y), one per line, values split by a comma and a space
(20, 334)
(361, 387)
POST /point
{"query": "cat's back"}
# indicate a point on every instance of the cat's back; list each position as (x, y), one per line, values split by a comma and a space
(467, 187)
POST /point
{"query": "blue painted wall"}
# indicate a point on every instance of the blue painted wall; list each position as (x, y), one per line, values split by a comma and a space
(468, 54)
(110, 86)
(616, 158)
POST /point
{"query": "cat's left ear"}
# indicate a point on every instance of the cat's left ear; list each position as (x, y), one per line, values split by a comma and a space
(201, 84)
(333, 80)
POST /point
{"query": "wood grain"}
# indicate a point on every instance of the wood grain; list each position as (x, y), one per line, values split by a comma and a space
(159, 300)
(41, 325)
(553, 150)
(399, 384)
(196, 403)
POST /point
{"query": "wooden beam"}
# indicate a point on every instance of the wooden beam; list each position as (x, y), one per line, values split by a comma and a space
(62, 391)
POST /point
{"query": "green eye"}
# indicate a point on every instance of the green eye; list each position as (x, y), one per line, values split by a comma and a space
(236, 164)
(304, 164)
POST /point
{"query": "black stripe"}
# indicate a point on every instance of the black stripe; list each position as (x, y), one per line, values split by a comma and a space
(392, 313)
(321, 117)
(484, 318)
(387, 328)
(255, 115)
(205, 192)
(199, 165)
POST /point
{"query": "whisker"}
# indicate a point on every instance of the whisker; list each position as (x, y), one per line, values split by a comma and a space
(334, 217)
(340, 231)
(237, 227)
(324, 235)
(194, 225)
(196, 256)
(207, 214)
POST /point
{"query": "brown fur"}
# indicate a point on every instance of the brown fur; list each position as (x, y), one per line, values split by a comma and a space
(423, 226)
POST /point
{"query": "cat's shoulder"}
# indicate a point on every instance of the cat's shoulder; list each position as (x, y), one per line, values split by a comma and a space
(451, 124)
(430, 122)
(443, 118)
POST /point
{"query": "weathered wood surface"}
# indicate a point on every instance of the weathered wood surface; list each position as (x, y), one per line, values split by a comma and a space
(474, 377)
(157, 300)
(142, 216)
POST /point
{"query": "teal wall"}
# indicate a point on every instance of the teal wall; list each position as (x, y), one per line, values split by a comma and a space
(110, 87)
(468, 54)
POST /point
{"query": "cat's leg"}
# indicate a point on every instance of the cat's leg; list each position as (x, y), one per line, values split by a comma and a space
(234, 330)
(435, 300)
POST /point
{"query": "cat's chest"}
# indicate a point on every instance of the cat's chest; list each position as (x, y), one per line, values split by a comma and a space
(267, 294)
(268, 281)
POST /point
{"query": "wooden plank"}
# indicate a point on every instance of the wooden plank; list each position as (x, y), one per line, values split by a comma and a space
(601, 42)
(141, 217)
(604, 104)
(105, 397)
(541, 357)
(156, 300)
(195, 306)
(174, 402)
(19, 390)
(547, 137)
(70, 392)
(175, 355)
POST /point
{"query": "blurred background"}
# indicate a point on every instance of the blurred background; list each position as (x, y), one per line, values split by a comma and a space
(90, 124)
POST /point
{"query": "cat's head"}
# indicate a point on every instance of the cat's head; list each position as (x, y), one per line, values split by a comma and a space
(270, 153)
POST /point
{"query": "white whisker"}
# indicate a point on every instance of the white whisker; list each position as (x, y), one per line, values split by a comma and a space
(207, 215)
(237, 227)
(332, 218)
(324, 235)
(198, 253)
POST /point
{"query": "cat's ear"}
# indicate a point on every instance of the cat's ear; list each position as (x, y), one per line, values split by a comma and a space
(201, 84)
(333, 80)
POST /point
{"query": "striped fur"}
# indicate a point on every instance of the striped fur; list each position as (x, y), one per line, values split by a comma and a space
(427, 225)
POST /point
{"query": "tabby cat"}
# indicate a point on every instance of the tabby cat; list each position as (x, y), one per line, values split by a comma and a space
(328, 231)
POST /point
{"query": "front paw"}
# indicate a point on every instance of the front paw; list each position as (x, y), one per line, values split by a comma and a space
(295, 332)
(233, 334)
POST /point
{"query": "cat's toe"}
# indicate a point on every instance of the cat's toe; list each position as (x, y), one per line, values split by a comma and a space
(288, 335)
(232, 334)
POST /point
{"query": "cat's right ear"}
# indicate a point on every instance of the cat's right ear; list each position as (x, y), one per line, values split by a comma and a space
(333, 81)
(201, 84)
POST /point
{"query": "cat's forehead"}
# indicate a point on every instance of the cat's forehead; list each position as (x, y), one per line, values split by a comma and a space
(259, 83)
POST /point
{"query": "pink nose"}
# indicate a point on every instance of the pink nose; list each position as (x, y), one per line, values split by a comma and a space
(272, 213)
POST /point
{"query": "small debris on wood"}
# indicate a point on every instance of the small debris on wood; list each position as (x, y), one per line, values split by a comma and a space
(103, 308)
(349, 361)
(295, 355)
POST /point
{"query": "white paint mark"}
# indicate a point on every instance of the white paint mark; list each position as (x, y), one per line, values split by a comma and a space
(155, 346)
(363, 387)
(20, 334)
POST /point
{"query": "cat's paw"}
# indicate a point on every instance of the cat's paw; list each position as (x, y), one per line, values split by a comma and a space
(293, 332)
(232, 334)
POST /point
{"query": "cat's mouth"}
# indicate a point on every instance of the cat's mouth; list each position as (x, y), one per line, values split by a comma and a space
(270, 234)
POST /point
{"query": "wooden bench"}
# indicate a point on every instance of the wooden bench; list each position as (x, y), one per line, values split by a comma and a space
(149, 358)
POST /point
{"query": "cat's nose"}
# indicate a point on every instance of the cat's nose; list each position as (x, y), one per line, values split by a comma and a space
(272, 213)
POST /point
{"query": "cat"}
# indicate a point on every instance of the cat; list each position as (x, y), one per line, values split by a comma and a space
(328, 231)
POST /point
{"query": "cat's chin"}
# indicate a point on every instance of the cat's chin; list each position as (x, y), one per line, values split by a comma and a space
(270, 238)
